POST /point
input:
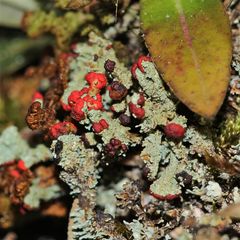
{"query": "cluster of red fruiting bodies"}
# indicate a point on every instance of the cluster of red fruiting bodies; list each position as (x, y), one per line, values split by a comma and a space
(89, 95)
(15, 171)
(138, 65)
(168, 197)
(114, 146)
(62, 128)
(100, 126)
(89, 98)
(174, 130)
(137, 109)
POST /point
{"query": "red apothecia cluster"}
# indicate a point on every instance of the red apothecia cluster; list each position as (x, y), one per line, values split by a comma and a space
(117, 91)
(174, 130)
(37, 96)
(100, 126)
(15, 180)
(114, 146)
(137, 109)
(15, 169)
(62, 128)
(88, 96)
(168, 197)
(138, 65)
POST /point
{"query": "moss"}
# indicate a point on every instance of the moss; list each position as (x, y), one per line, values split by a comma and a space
(72, 4)
(230, 132)
(63, 27)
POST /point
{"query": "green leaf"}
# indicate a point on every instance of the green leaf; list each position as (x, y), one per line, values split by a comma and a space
(18, 51)
(190, 43)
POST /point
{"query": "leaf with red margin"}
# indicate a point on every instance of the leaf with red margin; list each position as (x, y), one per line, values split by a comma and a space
(190, 43)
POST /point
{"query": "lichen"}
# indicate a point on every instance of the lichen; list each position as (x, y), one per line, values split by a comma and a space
(141, 231)
(154, 152)
(115, 129)
(37, 194)
(200, 142)
(166, 186)
(213, 192)
(82, 225)
(137, 166)
(79, 164)
(13, 146)
(160, 109)
(92, 56)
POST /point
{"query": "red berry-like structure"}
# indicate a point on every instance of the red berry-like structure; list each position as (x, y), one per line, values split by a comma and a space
(77, 112)
(62, 128)
(138, 65)
(96, 80)
(73, 98)
(21, 165)
(100, 126)
(137, 112)
(37, 96)
(97, 127)
(168, 197)
(174, 130)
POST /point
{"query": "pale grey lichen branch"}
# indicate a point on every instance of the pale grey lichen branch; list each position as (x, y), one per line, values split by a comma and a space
(14, 147)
